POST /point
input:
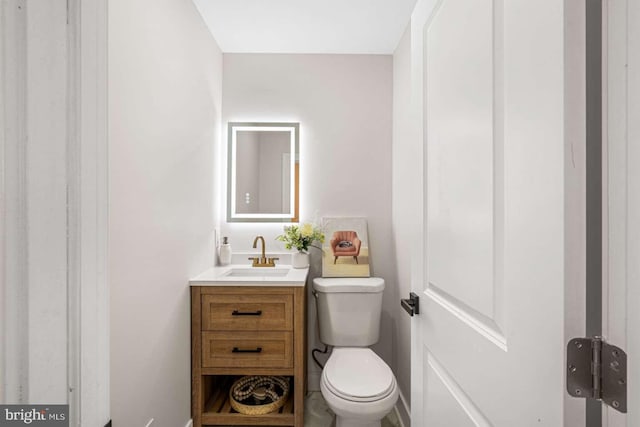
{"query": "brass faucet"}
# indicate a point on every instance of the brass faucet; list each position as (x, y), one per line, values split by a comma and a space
(262, 261)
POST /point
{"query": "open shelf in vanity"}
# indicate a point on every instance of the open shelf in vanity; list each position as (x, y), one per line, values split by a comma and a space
(217, 408)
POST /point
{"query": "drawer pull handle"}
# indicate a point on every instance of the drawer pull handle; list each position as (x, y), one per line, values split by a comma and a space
(246, 313)
(238, 350)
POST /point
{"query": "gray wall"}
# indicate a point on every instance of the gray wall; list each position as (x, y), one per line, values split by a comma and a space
(165, 74)
(344, 106)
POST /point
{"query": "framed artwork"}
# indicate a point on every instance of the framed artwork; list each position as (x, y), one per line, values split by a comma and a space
(345, 252)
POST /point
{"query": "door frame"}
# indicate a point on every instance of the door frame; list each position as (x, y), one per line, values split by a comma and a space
(84, 173)
(621, 193)
(88, 192)
(12, 246)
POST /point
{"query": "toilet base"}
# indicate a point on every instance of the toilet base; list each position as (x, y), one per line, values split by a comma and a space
(356, 411)
(353, 422)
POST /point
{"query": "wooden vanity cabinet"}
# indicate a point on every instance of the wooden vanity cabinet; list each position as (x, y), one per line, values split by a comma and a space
(246, 330)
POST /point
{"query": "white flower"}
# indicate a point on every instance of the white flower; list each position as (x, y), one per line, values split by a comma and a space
(306, 230)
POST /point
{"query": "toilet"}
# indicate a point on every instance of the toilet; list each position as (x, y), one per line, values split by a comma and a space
(356, 383)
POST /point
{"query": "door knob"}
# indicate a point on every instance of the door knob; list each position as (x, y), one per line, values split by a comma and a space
(411, 305)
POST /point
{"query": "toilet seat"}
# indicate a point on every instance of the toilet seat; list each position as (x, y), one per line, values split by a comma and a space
(358, 375)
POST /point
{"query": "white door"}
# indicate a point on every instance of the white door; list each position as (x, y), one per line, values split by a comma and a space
(621, 296)
(502, 114)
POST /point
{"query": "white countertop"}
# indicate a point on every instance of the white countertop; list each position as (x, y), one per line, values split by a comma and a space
(220, 276)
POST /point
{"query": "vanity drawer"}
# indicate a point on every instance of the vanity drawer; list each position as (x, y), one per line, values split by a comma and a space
(247, 349)
(247, 312)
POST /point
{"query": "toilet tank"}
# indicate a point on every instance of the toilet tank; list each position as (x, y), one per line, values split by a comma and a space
(349, 310)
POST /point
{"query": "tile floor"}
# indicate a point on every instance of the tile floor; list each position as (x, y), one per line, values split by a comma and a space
(318, 414)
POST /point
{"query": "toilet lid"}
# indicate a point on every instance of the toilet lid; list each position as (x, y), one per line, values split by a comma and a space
(348, 284)
(358, 374)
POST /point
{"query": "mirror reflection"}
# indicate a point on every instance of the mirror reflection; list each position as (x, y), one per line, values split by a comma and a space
(263, 172)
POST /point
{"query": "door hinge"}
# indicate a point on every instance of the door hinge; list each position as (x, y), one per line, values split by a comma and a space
(597, 370)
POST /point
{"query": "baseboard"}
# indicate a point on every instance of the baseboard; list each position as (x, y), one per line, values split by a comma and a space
(402, 411)
(189, 423)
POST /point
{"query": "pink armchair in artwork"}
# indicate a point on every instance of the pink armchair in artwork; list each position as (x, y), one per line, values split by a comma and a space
(345, 243)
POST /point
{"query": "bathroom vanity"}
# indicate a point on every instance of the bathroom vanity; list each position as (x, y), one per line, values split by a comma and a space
(247, 321)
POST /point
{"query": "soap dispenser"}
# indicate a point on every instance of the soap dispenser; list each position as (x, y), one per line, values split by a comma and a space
(225, 252)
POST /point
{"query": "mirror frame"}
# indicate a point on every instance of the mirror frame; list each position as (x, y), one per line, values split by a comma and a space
(233, 128)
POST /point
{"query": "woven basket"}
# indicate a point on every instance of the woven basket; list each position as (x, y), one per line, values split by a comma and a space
(258, 409)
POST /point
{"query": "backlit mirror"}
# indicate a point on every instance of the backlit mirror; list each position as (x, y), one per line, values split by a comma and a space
(263, 172)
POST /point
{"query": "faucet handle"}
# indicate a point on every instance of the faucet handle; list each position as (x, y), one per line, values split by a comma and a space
(254, 261)
(272, 261)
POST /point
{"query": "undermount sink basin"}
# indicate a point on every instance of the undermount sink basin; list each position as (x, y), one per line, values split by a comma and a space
(257, 272)
(246, 275)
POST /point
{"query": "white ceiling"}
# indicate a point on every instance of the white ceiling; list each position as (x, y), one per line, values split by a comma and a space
(307, 26)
